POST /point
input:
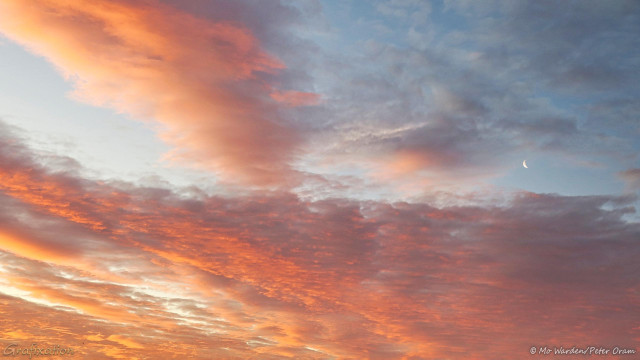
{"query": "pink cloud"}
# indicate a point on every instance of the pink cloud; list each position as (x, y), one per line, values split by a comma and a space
(296, 98)
(270, 276)
(204, 81)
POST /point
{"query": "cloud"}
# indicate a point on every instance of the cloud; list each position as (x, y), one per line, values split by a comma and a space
(631, 177)
(208, 83)
(235, 87)
(453, 103)
(417, 11)
(275, 276)
(125, 341)
(296, 98)
(118, 270)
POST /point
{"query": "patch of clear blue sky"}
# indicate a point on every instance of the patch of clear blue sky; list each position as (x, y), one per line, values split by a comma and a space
(551, 174)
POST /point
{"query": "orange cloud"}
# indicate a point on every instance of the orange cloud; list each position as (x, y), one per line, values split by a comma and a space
(277, 276)
(125, 341)
(38, 249)
(202, 80)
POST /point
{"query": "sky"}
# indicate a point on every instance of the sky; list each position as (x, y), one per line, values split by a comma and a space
(251, 179)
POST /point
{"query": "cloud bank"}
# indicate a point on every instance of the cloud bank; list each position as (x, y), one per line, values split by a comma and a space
(120, 271)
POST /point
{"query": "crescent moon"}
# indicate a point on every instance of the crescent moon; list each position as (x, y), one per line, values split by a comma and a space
(524, 163)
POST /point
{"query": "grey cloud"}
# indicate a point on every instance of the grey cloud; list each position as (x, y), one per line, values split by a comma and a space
(507, 77)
